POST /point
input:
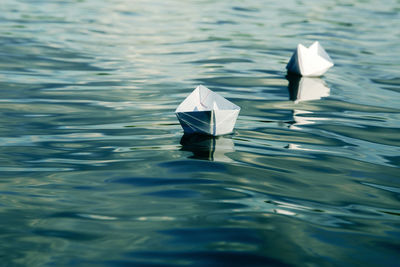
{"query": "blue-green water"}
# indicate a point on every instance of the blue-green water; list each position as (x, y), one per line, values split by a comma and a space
(95, 170)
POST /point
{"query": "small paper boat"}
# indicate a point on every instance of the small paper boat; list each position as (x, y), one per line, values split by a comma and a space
(312, 61)
(206, 112)
(306, 88)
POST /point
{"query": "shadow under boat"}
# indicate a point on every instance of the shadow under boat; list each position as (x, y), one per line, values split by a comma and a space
(306, 88)
(207, 147)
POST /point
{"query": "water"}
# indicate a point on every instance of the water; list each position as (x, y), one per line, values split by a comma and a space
(95, 170)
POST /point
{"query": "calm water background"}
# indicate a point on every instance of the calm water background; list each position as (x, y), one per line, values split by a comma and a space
(95, 170)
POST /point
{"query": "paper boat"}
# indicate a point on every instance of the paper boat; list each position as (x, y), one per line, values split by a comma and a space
(312, 61)
(206, 112)
(306, 88)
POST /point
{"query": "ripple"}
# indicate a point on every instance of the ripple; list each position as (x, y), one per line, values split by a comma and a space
(33, 169)
(175, 193)
(387, 188)
(242, 81)
(313, 212)
(237, 258)
(153, 181)
(83, 216)
(389, 84)
(221, 61)
(380, 135)
(70, 235)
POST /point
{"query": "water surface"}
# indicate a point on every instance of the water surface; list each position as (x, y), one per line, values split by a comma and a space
(95, 169)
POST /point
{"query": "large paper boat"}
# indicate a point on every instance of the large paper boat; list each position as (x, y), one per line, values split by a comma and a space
(206, 112)
(312, 61)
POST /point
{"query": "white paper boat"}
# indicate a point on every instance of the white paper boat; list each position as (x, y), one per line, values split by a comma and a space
(305, 88)
(312, 61)
(206, 112)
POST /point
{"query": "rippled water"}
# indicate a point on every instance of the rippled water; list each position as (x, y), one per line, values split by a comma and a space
(95, 169)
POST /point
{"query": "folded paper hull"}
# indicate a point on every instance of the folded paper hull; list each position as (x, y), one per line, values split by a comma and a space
(309, 62)
(211, 122)
(206, 112)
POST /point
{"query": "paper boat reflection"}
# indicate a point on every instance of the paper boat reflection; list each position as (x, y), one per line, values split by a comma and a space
(206, 112)
(207, 147)
(312, 61)
(304, 117)
(305, 88)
